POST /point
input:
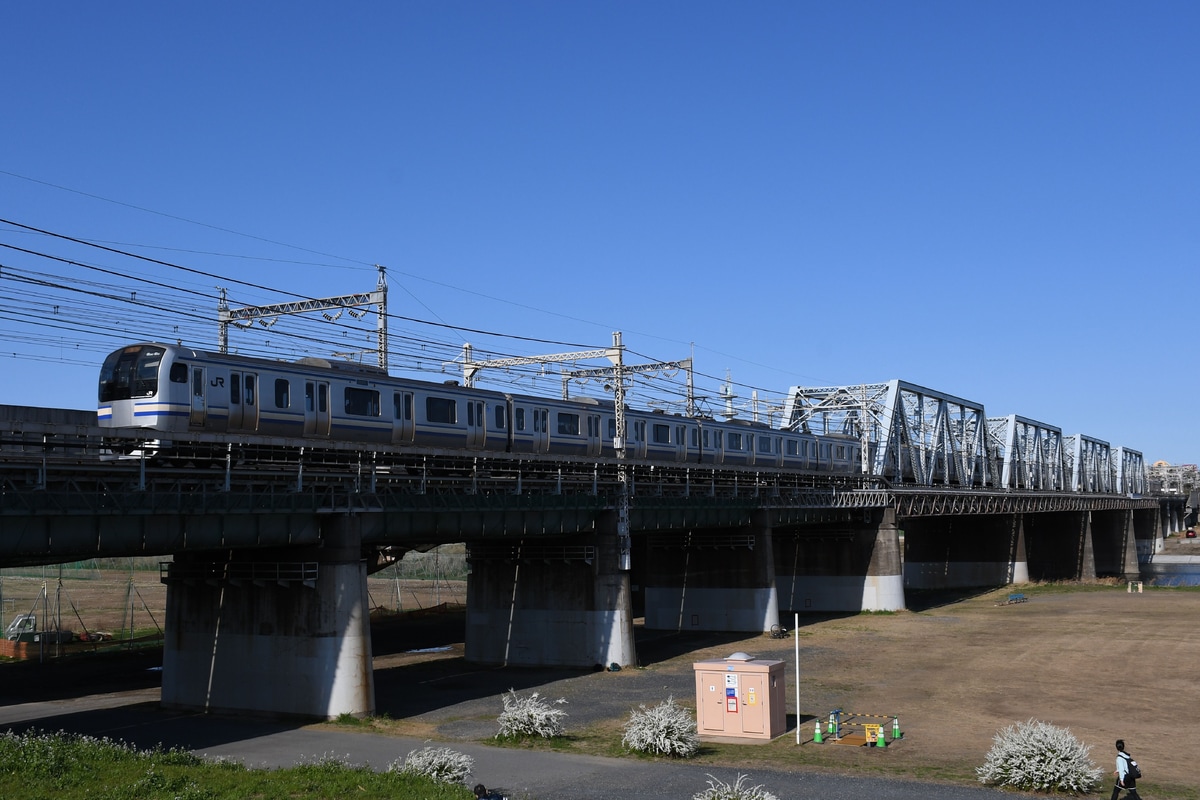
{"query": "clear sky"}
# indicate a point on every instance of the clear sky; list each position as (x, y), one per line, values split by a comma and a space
(996, 200)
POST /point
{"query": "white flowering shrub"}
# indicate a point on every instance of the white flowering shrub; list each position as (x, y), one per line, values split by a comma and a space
(437, 763)
(719, 790)
(328, 760)
(1037, 756)
(665, 730)
(530, 716)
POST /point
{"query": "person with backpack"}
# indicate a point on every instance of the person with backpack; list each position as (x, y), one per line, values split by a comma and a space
(1127, 773)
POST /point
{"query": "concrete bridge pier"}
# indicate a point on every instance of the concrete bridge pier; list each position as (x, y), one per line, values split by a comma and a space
(1171, 516)
(1059, 546)
(1148, 530)
(716, 579)
(966, 551)
(550, 602)
(277, 632)
(1115, 544)
(842, 566)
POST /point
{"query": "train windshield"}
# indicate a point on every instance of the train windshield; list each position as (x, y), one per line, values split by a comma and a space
(130, 372)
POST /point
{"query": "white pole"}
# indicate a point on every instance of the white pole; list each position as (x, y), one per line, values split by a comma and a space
(796, 636)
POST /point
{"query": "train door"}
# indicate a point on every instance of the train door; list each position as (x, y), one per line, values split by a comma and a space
(235, 401)
(316, 408)
(199, 405)
(541, 430)
(637, 438)
(243, 401)
(402, 416)
(476, 424)
(593, 434)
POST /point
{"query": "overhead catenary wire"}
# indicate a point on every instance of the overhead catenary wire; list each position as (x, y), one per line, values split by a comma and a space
(414, 344)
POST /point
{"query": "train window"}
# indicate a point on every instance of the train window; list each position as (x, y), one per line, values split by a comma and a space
(309, 396)
(661, 433)
(519, 418)
(249, 383)
(705, 439)
(178, 373)
(362, 402)
(322, 397)
(764, 444)
(470, 415)
(792, 447)
(145, 383)
(679, 434)
(695, 438)
(441, 409)
(283, 398)
(115, 375)
(235, 388)
(569, 423)
(840, 452)
(501, 416)
(612, 428)
(733, 441)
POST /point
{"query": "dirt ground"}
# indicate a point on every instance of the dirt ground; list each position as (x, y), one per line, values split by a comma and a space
(954, 670)
(1099, 660)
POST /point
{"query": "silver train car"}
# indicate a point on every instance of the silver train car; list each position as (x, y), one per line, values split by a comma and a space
(175, 389)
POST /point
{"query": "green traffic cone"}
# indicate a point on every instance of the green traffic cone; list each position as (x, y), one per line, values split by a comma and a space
(816, 731)
(880, 739)
(896, 734)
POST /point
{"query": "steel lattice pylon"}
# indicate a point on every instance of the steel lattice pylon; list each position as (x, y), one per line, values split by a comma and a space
(378, 298)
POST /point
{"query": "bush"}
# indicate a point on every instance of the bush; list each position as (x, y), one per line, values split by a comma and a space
(665, 730)
(719, 790)
(440, 764)
(530, 716)
(1037, 756)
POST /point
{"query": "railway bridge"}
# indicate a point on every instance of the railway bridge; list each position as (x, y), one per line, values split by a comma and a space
(270, 543)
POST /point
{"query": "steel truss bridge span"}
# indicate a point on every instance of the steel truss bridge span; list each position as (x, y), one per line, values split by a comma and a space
(915, 435)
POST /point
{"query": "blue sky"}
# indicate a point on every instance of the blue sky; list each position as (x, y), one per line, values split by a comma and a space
(996, 200)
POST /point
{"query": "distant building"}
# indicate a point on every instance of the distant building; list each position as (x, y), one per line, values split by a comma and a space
(1181, 479)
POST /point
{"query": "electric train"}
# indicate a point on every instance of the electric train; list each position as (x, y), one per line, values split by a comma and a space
(175, 389)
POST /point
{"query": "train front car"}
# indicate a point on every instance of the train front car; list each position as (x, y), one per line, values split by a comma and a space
(141, 386)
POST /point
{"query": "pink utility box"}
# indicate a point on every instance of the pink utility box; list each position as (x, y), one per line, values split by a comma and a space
(740, 697)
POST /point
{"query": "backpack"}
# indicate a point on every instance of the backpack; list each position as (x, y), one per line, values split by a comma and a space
(1132, 770)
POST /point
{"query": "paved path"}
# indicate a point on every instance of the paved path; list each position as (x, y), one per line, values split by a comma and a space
(135, 717)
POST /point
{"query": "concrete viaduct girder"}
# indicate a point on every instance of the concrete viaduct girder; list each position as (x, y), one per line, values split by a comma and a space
(719, 548)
